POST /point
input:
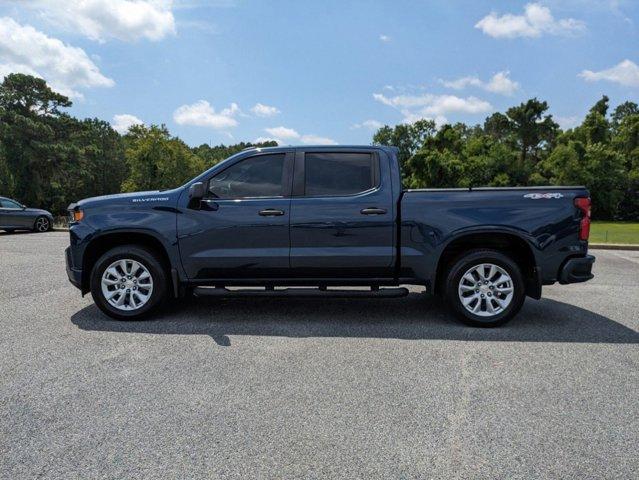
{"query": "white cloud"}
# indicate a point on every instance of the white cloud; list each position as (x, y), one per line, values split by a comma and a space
(412, 117)
(384, 38)
(625, 73)
(202, 114)
(463, 82)
(436, 104)
(23, 49)
(502, 84)
(534, 22)
(262, 110)
(122, 123)
(282, 133)
(370, 124)
(101, 19)
(499, 83)
(567, 122)
(435, 107)
(317, 140)
(264, 140)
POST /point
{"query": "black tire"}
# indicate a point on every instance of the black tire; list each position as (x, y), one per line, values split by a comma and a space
(146, 258)
(476, 257)
(42, 220)
(9, 230)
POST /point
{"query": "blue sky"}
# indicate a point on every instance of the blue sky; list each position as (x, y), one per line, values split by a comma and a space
(321, 72)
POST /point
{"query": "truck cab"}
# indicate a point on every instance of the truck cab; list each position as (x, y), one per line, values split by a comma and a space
(308, 214)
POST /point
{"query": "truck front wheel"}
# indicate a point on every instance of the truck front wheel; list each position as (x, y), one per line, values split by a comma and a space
(128, 282)
(485, 288)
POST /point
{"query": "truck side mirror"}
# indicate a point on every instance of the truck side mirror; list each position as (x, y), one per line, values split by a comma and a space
(196, 191)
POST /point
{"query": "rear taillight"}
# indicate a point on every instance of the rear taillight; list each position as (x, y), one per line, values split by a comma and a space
(583, 204)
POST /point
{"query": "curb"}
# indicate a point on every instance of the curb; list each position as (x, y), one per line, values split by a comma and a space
(612, 246)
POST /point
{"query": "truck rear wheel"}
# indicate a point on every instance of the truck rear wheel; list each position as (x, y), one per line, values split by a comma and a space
(485, 288)
(128, 282)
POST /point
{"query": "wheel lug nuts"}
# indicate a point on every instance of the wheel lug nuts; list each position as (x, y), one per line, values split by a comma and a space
(482, 295)
(490, 294)
(128, 291)
(135, 288)
(492, 287)
(476, 291)
(486, 282)
(129, 277)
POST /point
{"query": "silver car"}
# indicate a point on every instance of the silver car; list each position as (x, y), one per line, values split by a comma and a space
(15, 216)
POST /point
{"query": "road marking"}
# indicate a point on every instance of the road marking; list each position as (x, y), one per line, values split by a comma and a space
(630, 259)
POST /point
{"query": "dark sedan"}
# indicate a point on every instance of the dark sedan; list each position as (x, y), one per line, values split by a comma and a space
(15, 216)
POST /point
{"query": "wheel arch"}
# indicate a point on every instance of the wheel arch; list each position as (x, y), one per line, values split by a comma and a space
(105, 242)
(504, 241)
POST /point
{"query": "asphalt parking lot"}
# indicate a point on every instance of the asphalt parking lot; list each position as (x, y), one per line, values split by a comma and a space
(315, 388)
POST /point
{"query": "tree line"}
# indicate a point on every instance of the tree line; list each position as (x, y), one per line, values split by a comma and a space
(524, 147)
(49, 159)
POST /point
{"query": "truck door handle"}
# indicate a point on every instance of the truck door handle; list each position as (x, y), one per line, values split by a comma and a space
(271, 212)
(372, 211)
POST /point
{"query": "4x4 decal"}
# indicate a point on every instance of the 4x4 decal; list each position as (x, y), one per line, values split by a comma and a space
(538, 196)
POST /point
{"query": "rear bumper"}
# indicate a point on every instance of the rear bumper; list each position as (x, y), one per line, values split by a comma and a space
(577, 270)
(75, 275)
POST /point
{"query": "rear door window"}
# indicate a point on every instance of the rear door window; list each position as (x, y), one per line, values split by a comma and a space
(339, 174)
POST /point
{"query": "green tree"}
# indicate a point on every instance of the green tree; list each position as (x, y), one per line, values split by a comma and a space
(34, 133)
(626, 142)
(408, 138)
(607, 179)
(622, 111)
(595, 127)
(498, 126)
(215, 154)
(156, 160)
(7, 182)
(532, 130)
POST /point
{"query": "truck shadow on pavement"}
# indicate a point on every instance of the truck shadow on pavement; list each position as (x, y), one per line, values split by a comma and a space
(416, 317)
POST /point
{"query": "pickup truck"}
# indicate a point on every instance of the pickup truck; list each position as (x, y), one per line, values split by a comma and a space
(327, 219)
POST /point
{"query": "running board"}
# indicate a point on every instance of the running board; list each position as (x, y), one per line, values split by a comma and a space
(301, 292)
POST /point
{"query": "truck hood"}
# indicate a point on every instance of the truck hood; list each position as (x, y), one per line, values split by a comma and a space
(153, 197)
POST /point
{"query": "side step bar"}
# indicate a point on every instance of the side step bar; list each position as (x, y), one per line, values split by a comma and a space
(301, 292)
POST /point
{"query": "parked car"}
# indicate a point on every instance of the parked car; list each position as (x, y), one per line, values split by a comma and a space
(15, 216)
(325, 217)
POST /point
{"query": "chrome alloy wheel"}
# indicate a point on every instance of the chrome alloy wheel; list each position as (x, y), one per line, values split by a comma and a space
(42, 224)
(486, 290)
(127, 284)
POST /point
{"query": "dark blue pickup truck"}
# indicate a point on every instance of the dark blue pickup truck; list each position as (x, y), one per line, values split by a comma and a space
(322, 218)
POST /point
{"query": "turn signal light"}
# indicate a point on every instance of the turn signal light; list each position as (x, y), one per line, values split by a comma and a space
(584, 204)
(77, 215)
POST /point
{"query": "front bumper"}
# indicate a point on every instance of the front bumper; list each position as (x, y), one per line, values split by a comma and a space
(577, 270)
(75, 275)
